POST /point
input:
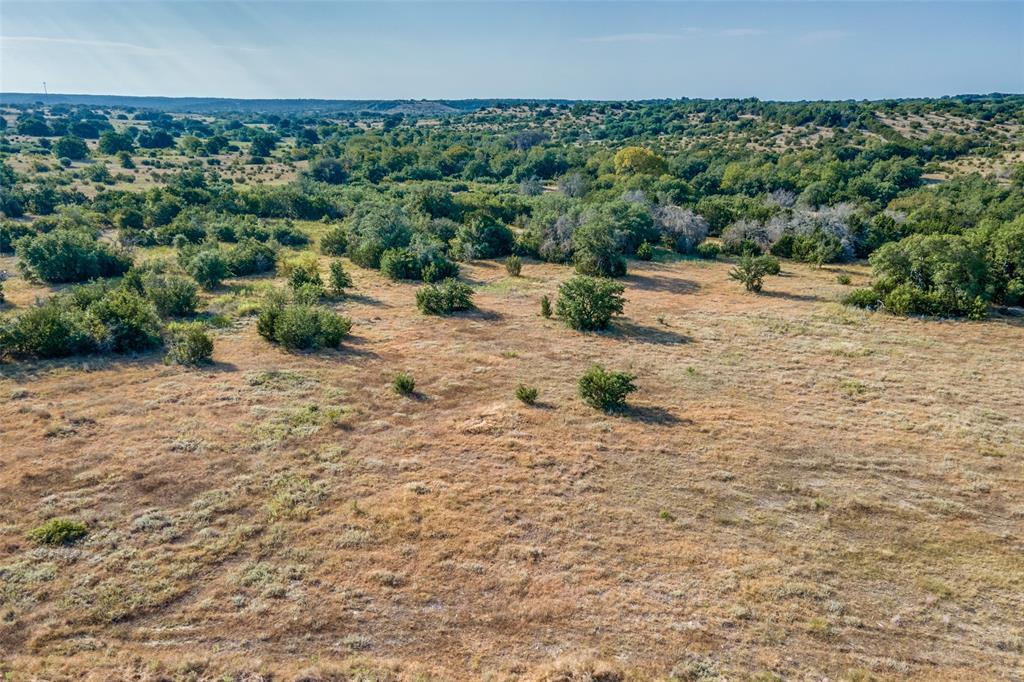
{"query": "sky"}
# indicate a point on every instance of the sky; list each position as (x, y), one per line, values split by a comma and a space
(500, 48)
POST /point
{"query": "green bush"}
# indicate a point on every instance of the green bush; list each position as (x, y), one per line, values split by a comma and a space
(1006, 260)
(301, 277)
(298, 326)
(70, 256)
(209, 268)
(741, 247)
(188, 343)
(596, 251)
(340, 279)
(59, 532)
(250, 257)
(403, 384)
(604, 389)
(862, 298)
(588, 303)
(130, 321)
(483, 237)
(401, 263)
(645, 251)
(708, 250)
(301, 269)
(751, 270)
(53, 329)
(173, 296)
(307, 293)
(10, 232)
(526, 394)
(334, 241)
(514, 266)
(933, 274)
(844, 279)
(70, 147)
(440, 269)
(545, 306)
(444, 297)
(376, 228)
(815, 247)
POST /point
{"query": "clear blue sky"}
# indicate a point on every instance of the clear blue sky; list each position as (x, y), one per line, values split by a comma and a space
(592, 50)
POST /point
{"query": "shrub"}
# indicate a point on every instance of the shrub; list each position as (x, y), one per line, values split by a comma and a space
(297, 326)
(301, 269)
(440, 269)
(444, 297)
(932, 274)
(307, 293)
(70, 147)
(250, 257)
(300, 277)
(375, 229)
(596, 251)
(483, 237)
(10, 232)
(209, 268)
(605, 390)
(331, 171)
(59, 532)
(862, 298)
(340, 279)
(130, 321)
(545, 306)
(53, 329)
(587, 303)
(745, 247)
(173, 296)
(845, 280)
(334, 241)
(526, 394)
(403, 384)
(645, 251)
(1006, 260)
(816, 247)
(514, 266)
(188, 343)
(401, 263)
(70, 256)
(708, 250)
(751, 270)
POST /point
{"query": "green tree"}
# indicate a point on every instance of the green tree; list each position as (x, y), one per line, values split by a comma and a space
(588, 303)
(69, 147)
(112, 142)
(751, 270)
(633, 160)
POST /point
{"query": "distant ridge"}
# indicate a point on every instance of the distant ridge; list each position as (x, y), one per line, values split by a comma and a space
(220, 104)
(411, 107)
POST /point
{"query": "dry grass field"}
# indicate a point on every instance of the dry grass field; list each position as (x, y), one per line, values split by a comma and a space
(798, 491)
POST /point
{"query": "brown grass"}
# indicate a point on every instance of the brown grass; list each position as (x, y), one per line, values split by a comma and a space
(798, 488)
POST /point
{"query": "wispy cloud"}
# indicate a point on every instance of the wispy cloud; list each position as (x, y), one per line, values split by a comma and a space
(651, 37)
(635, 38)
(825, 36)
(80, 42)
(741, 32)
